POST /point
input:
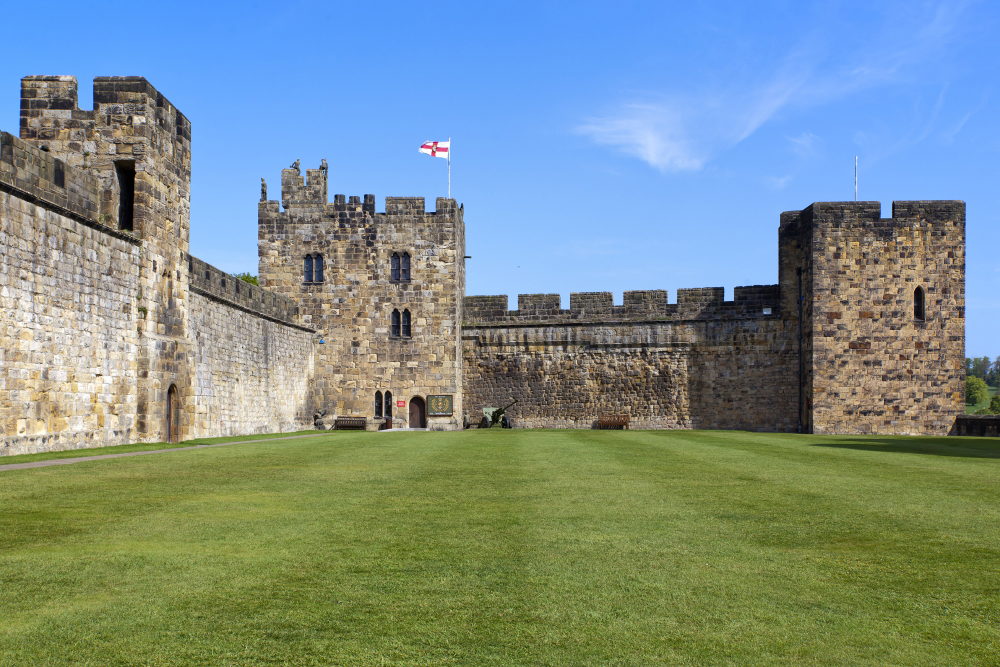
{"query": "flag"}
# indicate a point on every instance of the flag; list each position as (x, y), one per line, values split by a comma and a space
(436, 148)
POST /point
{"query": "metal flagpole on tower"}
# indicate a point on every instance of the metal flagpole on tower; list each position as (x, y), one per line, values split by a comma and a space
(855, 177)
(449, 167)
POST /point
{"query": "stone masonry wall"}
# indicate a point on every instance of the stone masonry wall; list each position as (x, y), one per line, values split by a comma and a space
(69, 344)
(876, 367)
(251, 374)
(700, 363)
(351, 307)
(132, 129)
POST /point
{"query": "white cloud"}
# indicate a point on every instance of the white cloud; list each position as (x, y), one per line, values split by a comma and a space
(805, 144)
(682, 132)
(779, 183)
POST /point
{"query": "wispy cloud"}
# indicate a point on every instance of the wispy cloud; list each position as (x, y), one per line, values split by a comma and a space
(779, 182)
(805, 144)
(682, 132)
(948, 136)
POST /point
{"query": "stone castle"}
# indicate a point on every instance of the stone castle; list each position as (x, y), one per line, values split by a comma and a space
(111, 332)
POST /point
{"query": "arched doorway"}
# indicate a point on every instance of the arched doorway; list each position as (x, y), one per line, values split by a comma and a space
(173, 415)
(418, 415)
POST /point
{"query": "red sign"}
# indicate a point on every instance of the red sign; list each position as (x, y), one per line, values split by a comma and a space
(400, 404)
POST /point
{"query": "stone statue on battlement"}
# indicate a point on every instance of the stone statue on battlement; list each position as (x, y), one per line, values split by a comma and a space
(263, 190)
(324, 167)
(295, 166)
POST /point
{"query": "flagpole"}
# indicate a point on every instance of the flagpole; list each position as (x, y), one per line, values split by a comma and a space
(449, 167)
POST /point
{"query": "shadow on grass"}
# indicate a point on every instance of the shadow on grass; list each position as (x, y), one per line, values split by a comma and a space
(967, 447)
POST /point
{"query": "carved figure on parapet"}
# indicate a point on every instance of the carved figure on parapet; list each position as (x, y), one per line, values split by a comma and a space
(295, 166)
(324, 167)
(263, 190)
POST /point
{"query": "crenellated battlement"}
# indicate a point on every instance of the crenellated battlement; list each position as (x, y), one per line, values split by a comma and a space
(215, 283)
(38, 175)
(638, 305)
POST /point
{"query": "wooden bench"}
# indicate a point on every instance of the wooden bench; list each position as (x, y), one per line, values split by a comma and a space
(613, 421)
(350, 423)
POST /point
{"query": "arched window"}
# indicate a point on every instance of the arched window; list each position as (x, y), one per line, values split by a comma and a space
(388, 403)
(395, 323)
(394, 274)
(405, 271)
(308, 269)
(378, 404)
(406, 324)
(918, 303)
(318, 269)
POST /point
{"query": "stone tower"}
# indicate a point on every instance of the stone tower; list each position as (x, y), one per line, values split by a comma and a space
(138, 146)
(881, 303)
(383, 290)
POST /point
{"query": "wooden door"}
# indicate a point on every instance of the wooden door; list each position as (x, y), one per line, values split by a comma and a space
(417, 413)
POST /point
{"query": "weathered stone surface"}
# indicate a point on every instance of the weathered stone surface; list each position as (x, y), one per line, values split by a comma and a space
(101, 318)
(863, 363)
(106, 318)
(351, 308)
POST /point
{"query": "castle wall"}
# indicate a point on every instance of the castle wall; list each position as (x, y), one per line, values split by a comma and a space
(351, 308)
(876, 368)
(251, 374)
(133, 140)
(69, 341)
(99, 323)
(700, 363)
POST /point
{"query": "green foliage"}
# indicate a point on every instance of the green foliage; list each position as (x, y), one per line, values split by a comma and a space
(982, 368)
(995, 404)
(247, 278)
(976, 390)
(510, 547)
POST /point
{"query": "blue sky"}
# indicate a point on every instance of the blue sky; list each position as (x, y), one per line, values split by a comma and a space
(596, 146)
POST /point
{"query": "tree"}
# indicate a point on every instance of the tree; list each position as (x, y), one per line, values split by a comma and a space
(993, 376)
(975, 390)
(995, 404)
(247, 278)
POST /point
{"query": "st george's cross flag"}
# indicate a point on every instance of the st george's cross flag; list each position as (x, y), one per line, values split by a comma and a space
(436, 148)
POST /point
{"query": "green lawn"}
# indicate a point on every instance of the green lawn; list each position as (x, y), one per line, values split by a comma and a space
(971, 409)
(513, 547)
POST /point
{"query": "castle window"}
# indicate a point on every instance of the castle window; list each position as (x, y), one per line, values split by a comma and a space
(388, 403)
(918, 304)
(394, 274)
(318, 269)
(406, 324)
(395, 323)
(405, 270)
(125, 171)
(378, 404)
(308, 269)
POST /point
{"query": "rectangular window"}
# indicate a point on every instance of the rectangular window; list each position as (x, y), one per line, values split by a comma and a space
(125, 171)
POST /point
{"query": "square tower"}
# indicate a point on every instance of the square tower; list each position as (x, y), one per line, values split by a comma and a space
(384, 290)
(881, 304)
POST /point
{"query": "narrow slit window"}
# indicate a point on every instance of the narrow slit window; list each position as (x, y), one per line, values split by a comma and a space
(918, 304)
(388, 403)
(395, 323)
(318, 269)
(394, 274)
(308, 269)
(378, 404)
(406, 324)
(125, 171)
(405, 269)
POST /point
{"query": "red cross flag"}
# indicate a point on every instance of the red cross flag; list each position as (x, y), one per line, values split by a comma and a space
(436, 148)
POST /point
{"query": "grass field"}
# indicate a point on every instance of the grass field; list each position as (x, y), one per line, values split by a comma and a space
(512, 547)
